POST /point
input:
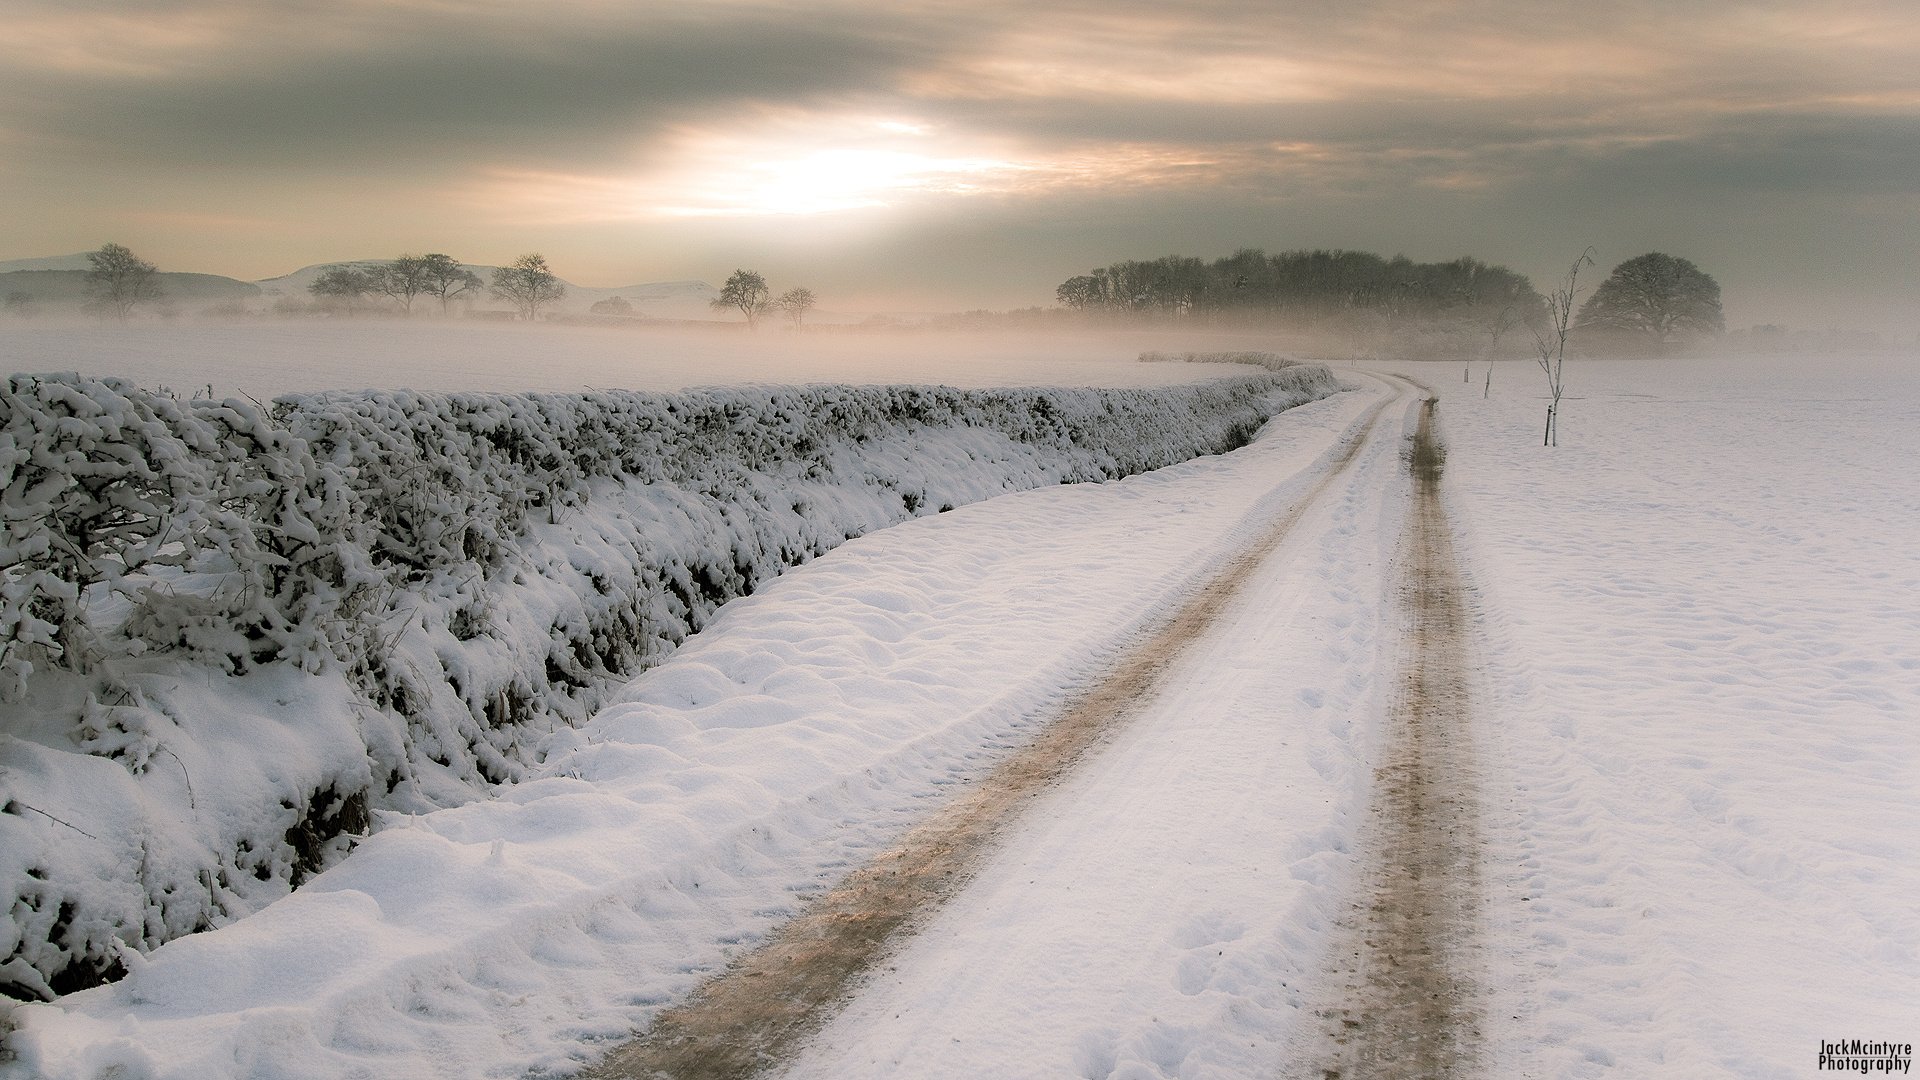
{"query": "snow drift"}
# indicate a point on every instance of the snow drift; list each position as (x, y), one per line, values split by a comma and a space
(230, 633)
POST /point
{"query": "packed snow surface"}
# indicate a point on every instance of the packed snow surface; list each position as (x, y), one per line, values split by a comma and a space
(1165, 911)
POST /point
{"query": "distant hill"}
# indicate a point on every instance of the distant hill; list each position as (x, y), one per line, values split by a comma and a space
(68, 288)
(657, 299)
(298, 283)
(56, 262)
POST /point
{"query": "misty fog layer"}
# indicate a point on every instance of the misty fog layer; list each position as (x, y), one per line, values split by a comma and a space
(267, 359)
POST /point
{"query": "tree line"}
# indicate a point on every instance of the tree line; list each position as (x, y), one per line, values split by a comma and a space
(527, 283)
(1299, 286)
(1652, 301)
(531, 286)
(403, 280)
(119, 281)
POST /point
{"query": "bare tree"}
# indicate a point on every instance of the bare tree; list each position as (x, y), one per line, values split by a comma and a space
(1551, 343)
(747, 291)
(344, 287)
(528, 284)
(1497, 326)
(120, 279)
(403, 279)
(447, 279)
(796, 303)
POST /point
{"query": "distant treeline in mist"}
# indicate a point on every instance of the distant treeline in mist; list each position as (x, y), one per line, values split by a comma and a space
(1367, 301)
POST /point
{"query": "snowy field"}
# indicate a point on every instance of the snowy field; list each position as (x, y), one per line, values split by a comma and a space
(1702, 631)
(1699, 680)
(267, 359)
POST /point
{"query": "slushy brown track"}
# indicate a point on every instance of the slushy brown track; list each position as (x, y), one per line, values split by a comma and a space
(751, 1017)
(1408, 1007)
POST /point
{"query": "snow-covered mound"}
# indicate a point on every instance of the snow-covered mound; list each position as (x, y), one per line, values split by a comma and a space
(230, 633)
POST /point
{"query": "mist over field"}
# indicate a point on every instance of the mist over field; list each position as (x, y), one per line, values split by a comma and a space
(269, 359)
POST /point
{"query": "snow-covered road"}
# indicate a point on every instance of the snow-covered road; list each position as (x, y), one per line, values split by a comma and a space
(1216, 784)
(1166, 910)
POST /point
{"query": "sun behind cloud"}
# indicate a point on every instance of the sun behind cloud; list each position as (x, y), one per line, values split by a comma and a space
(780, 166)
(775, 181)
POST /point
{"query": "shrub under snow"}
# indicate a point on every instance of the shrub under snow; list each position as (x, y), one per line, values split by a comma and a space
(228, 632)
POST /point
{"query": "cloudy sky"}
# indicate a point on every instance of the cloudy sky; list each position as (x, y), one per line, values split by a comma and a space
(916, 154)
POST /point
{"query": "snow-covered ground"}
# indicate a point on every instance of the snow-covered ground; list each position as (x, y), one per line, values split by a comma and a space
(789, 739)
(1699, 634)
(1702, 634)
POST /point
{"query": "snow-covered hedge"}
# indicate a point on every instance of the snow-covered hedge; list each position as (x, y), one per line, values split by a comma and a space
(229, 632)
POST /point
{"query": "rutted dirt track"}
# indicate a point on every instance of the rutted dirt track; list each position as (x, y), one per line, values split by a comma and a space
(1407, 1002)
(754, 1015)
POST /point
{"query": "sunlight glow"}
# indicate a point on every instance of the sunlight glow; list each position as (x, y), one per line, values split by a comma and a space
(825, 181)
(788, 165)
(809, 164)
(839, 166)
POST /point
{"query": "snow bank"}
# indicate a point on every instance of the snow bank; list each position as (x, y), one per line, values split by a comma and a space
(794, 736)
(232, 633)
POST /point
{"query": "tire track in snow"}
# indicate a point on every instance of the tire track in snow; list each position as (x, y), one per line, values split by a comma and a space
(753, 1016)
(1408, 1005)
